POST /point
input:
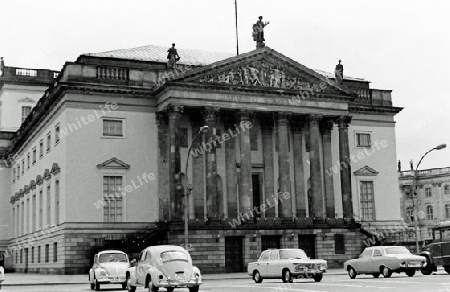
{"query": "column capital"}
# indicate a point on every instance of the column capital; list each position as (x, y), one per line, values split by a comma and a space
(244, 115)
(283, 117)
(314, 119)
(297, 124)
(161, 118)
(174, 111)
(343, 121)
(210, 113)
(326, 126)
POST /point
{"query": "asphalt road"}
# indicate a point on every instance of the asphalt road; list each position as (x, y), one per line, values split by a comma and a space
(332, 283)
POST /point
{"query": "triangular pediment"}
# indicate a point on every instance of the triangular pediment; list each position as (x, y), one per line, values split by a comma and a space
(366, 171)
(27, 99)
(263, 68)
(114, 163)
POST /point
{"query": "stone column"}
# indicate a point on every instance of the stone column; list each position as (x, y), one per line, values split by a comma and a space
(299, 175)
(230, 167)
(164, 180)
(212, 202)
(283, 165)
(344, 159)
(267, 144)
(198, 172)
(326, 127)
(176, 189)
(315, 169)
(245, 188)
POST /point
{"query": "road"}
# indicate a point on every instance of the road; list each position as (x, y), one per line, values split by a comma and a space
(331, 283)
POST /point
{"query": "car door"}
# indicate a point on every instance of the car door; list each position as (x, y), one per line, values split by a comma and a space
(362, 264)
(141, 269)
(262, 264)
(376, 261)
(273, 268)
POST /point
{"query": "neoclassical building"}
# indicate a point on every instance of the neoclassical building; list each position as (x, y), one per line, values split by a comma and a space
(280, 156)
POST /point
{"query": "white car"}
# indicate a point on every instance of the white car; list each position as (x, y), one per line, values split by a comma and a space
(2, 276)
(109, 267)
(286, 264)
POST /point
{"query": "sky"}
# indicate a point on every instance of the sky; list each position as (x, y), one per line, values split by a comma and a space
(403, 46)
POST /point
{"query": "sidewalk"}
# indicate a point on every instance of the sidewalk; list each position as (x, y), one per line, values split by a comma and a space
(20, 279)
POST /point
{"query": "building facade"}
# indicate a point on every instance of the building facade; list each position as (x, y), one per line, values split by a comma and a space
(433, 198)
(290, 158)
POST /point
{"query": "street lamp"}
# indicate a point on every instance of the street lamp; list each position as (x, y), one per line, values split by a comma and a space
(203, 129)
(414, 198)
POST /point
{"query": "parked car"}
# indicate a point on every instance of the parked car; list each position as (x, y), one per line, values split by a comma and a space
(437, 253)
(286, 264)
(2, 276)
(384, 260)
(109, 267)
(166, 266)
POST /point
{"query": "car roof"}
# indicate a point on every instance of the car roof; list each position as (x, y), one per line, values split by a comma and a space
(272, 249)
(161, 248)
(383, 246)
(110, 251)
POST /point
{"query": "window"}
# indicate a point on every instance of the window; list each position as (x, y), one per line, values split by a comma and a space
(339, 243)
(112, 128)
(430, 213)
(47, 250)
(14, 175)
(367, 205)
(48, 205)
(14, 221)
(49, 141)
(183, 137)
(265, 256)
(57, 202)
(410, 213)
(447, 190)
(427, 192)
(26, 110)
(447, 211)
(23, 166)
(28, 160)
(218, 136)
(57, 134)
(34, 155)
(41, 148)
(274, 255)
(363, 140)
(377, 253)
(21, 256)
(32, 254)
(55, 252)
(18, 171)
(112, 197)
(39, 254)
(41, 211)
(33, 216)
(253, 139)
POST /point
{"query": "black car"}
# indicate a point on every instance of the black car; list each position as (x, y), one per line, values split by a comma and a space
(437, 253)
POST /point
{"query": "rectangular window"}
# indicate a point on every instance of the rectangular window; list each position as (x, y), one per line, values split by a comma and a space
(32, 254)
(57, 134)
(427, 192)
(22, 218)
(339, 243)
(363, 140)
(33, 216)
(18, 171)
(21, 256)
(28, 160)
(57, 202)
(183, 137)
(253, 139)
(367, 206)
(34, 155)
(47, 251)
(112, 197)
(41, 210)
(55, 252)
(430, 215)
(23, 166)
(14, 221)
(14, 175)
(49, 141)
(112, 128)
(218, 138)
(26, 110)
(41, 148)
(48, 205)
(447, 211)
(39, 254)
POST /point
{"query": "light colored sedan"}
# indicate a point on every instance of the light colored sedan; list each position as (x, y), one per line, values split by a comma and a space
(384, 260)
(109, 267)
(2, 276)
(286, 264)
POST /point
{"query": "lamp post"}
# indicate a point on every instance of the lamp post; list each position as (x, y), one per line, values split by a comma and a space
(414, 198)
(203, 129)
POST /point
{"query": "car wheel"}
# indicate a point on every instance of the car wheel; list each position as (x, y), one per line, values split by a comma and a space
(97, 285)
(92, 286)
(124, 285)
(318, 277)
(257, 277)
(351, 272)
(376, 275)
(153, 288)
(170, 289)
(194, 289)
(129, 287)
(428, 269)
(410, 273)
(287, 276)
(386, 272)
(447, 269)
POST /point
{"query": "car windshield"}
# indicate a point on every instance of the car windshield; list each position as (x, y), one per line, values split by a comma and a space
(174, 255)
(112, 257)
(293, 254)
(397, 250)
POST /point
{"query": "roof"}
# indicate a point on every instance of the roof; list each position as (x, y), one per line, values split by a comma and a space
(110, 251)
(329, 75)
(383, 246)
(160, 248)
(153, 53)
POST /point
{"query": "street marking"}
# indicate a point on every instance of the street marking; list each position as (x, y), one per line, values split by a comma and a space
(281, 287)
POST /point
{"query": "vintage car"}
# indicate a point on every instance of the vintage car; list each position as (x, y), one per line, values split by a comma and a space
(2, 276)
(376, 260)
(437, 253)
(286, 264)
(166, 266)
(109, 267)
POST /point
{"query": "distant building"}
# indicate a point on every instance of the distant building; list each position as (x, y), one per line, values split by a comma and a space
(291, 159)
(433, 195)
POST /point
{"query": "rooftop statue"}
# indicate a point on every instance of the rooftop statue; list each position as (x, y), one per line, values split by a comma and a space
(339, 73)
(173, 57)
(2, 66)
(258, 32)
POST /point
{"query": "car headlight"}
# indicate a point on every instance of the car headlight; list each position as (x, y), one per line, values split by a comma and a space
(103, 273)
(403, 264)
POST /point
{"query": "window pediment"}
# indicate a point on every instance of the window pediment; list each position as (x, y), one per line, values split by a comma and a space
(113, 163)
(366, 171)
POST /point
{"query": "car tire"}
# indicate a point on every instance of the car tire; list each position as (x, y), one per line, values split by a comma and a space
(410, 273)
(287, 276)
(194, 289)
(428, 268)
(129, 287)
(257, 277)
(387, 273)
(96, 285)
(318, 277)
(153, 288)
(170, 289)
(376, 275)
(351, 272)
(124, 286)
(447, 269)
(92, 286)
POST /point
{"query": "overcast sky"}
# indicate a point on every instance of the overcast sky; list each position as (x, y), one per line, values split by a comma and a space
(399, 45)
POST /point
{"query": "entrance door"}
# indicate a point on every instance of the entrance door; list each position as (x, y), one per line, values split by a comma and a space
(270, 241)
(307, 242)
(233, 254)
(26, 260)
(257, 193)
